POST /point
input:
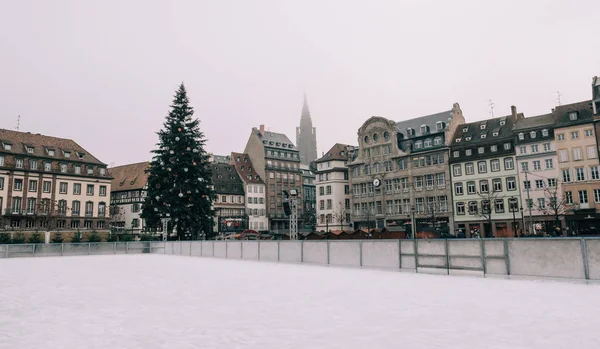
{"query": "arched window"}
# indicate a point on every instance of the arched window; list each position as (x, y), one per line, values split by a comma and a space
(427, 142)
(367, 169)
(418, 144)
(437, 141)
(376, 167)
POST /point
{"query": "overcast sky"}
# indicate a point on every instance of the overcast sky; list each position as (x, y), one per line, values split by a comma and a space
(104, 72)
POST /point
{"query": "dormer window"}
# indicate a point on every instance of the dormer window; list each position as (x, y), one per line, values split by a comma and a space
(7, 146)
(573, 116)
(278, 144)
(237, 159)
(265, 142)
(457, 140)
(410, 132)
(90, 170)
(521, 136)
(544, 133)
(102, 171)
(482, 126)
(532, 134)
(80, 155)
(465, 129)
(29, 150)
(424, 129)
(67, 154)
(418, 145)
(439, 125)
(502, 121)
(271, 143)
(467, 138)
(495, 134)
(483, 136)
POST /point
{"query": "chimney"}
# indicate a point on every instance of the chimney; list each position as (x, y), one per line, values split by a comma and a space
(262, 130)
(513, 111)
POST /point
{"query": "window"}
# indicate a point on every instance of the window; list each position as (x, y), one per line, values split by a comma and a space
(482, 166)
(19, 163)
(563, 155)
(499, 205)
(472, 207)
(90, 170)
(589, 133)
(470, 187)
(513, 205)
(469, 168)
(328, 190)
(591, 152)
(566, 175)
(521, 136)
(427, 142)
(135, 208)
(539, 184)
(583, 197)
(89, 208)
(594, 172)
(511, 183)
(458, 188)
(62, 188)
(484, 186)
(495, 165)
(31, 205)
(102, 171)
(535, 148)
(16, 205)
(544, 133)
(560, 136)
(527, 185)
(437, 141)
(456, 154)
(468, 152)
(7, 146)
(418, 145)
(76, 188)
(33, 164)
(508, 164)
(1, 160)
(573, 115)
(579, 174)
(537, 165)
(457, 170)
(532, 134)
(77, 169)
(90, 189)
(135, 223)
(575, 135)
(524, 166)
(569, 197)
(549, 164)
(480, 150)
(32, 185)
(74, 224)
(63, 168)
(441, 179)
(547, 147)
(494, 148)
(507, 146)
(47, 186)
(552, 182)
(402, 164)
(76, 208)
(577, 155)
(18, 184)
(460, 208)
(1, 186)
(541, 203)
(321, 204)
(522, 149)
(497, 183)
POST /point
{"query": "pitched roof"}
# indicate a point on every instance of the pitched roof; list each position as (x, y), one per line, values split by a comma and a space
(338, 152)
(41, 144)
(226, 179)
(428, 120)
(129, 177)
(276, 140)
(496, 128)
(585, 113)
(534, 122)
(245, 169)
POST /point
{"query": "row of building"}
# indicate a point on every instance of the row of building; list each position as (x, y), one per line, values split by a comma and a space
(431, 175)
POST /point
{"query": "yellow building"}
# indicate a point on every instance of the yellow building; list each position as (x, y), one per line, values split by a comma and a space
(51, 184)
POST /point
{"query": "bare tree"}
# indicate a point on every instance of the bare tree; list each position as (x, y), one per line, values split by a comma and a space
(367, 215)
(340, 214)
(485, 207)
(555, 205)
(49, 212)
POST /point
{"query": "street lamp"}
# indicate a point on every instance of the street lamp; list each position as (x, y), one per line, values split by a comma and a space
(522, 220)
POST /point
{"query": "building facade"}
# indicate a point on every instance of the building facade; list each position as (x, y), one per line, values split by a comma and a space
(309, 192)
(230, 203)
(334, 208)
(537, 163)
(578, 162)
(256, 193)
(128, 192)
(51, 184)
(306, 137)
(399, 177)
(277, 161)
(485, 186)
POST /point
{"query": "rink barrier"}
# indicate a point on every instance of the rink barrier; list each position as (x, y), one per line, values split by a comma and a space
(571, 258)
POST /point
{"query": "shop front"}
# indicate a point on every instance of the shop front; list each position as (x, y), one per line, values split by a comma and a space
(585, 222)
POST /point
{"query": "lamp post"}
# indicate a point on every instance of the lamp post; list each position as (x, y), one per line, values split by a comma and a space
(513, 206)
(522, 219)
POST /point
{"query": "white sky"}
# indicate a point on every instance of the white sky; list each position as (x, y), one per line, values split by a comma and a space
(104, 72)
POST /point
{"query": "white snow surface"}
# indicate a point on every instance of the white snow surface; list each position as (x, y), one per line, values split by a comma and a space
(156, 301)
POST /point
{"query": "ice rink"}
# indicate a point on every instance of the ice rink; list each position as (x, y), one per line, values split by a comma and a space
(157, 301)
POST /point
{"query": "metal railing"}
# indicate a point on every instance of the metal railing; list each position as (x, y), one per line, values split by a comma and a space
(78, 249)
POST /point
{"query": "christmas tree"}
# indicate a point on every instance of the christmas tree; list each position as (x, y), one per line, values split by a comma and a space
(179, 180)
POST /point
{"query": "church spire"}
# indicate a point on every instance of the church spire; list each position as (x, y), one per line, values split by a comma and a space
(306, 136)
(305, 112)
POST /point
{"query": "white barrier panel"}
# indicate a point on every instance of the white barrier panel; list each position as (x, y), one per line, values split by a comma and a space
(345, 253)
(290, 251)
(220, 249)
(551, 258)
(250, 249)
(168, 247)
(315, 252)
(408, 254)
(208, 248)
(196, 248)
(75, 249)
(431, 253)
(47, 250)
(494, 257)
(98, 248)
(176, 248)
(268, 251)
(593, 256)
(465, 254)
(380, 254)
(234, 249)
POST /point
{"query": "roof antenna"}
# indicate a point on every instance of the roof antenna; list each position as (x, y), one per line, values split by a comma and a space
(491, 105)
(558, 95)
(18, 122)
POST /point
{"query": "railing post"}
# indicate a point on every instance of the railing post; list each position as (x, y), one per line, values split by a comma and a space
(6, 251)
(483, 259)
(416, 252)
(327, 252)
(226, 249)
(506, 257)
(399, 254)
(180, 248)
(89, 248)
(127, 247)
(115, 247)
(258, 248)
(447, 258)
(33, 255)
(241, 249)
(62, 249)
(586, 266)
(213, 243)
(278, 249)
(360, 252)
(302, 251)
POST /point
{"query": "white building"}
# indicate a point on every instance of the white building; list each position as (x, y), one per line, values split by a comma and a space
(333, 189)
(256, 204)
(128, 191)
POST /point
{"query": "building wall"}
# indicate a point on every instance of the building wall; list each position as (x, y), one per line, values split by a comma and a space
(334, 206)
(127, 208)
(256, 205)
(230, 209)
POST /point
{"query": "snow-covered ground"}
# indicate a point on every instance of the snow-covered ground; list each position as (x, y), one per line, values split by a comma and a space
(156, 301)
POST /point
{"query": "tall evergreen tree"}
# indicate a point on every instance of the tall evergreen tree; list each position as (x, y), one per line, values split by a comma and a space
(179, 180)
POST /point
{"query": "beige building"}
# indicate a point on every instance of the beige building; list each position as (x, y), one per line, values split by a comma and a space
(399, 178)
(256, 193)
(51, 184)
(128, 192)
(579, 167)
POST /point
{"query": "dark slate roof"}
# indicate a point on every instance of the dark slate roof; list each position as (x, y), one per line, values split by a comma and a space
(244, 167)
(226, 179)
(221, 159)
(429, 120)
(491, 126)
(129, 177)
(41, 143)
(337, 152)
(276, 140)
(539, 121)
(583, 109)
